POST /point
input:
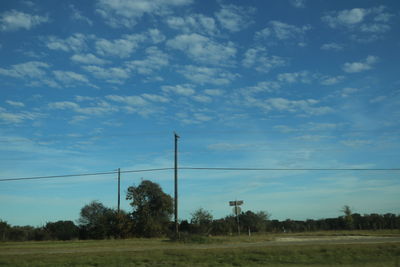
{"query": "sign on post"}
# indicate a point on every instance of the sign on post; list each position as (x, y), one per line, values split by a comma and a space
(236, 203)
(237, 211)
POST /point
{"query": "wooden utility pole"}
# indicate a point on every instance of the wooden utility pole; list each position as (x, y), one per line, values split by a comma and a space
(176, 185)
(119, 188)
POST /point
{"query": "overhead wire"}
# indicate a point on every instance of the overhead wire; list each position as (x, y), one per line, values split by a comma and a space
(197, 169)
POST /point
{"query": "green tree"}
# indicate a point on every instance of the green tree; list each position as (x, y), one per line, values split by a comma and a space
(62, 230)
(348, 218)
(201, 221)
(95, 220)
(152, 209)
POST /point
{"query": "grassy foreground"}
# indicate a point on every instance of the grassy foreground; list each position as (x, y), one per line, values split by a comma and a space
(216, 252)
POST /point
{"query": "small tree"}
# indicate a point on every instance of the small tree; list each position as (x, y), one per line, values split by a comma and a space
(95, 221)
(201, 221)
(348, 218)
(62, 230)
(152, 209)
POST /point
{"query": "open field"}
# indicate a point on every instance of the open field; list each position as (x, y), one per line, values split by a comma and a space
(317, 249)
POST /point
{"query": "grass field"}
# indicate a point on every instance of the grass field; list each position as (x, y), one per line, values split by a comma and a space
(217, 251)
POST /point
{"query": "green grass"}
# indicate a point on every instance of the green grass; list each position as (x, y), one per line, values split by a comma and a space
(217, 251)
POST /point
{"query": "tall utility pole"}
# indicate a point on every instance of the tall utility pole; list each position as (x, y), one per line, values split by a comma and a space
(119, 188)
(176, 184)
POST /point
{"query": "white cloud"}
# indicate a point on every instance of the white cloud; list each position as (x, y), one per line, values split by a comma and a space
(31, 69)
(69, 77)
(156, 98)
(352, 67)
(368, 21)
(156, 36)
(15, 103)
(77, 15)
(295, 77)
(227, 147)
(258, 59)
(111, 75)
(297, 106)
(332, 46)
(281, 31)
(155, 60)
(129, 100)
(346, 92)
(88, 59)
(378, 99)
(235, 18)
(14, 20)
(298, 3)
(126, 13)
(193, 23)
(74, 43)
(214, 92)
(347, 17)
(205, 75)
(203, 49)
(184, 89)
(202, 98)
(17, 117)
(328, 80)
(97, 108)
(122, 48)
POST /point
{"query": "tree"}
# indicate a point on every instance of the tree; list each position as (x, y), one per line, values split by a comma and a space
(201, 221)
(348, 218)
(152, 209)
(95, 221)
(62, 230)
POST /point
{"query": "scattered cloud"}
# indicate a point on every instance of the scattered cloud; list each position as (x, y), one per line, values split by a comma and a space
(155, 60)
(88, 59)
(295, 77)
(214, 92)
(204, 50)
(235, 18)
(16, 104)
(298, 3)
(96, 109)
(346, 92)
(31, 69)
(111, 75)
(77, 15)
(332, 47)
(7, 117)
(206, 75)
(126, 13)
(122, 48)
(14, 20)
(156, 36)
(196, 23)
(75, 43)
(367, 24)
(70, 77)
(258, 59)
(280, 31)
(183, 90)
(331, 80)
(367, 64)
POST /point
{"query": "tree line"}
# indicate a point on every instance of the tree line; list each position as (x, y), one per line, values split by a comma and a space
(151, 214)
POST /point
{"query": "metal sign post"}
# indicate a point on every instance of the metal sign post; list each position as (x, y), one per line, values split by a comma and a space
(237, 211)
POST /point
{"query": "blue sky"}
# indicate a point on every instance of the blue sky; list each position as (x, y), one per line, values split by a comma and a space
(97, 85)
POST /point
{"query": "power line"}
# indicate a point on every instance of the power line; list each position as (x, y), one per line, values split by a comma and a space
(199, 169)
(81, 174)
(288, 169)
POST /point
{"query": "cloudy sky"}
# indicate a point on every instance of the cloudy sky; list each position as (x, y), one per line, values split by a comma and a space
(92, 86)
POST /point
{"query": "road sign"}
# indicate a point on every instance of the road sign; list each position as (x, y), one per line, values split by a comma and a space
(236, 203)
(237, 210)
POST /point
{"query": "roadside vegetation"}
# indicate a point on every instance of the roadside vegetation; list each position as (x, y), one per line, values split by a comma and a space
(151, 217)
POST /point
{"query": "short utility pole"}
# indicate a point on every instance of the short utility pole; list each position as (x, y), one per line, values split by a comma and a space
(176, 185)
